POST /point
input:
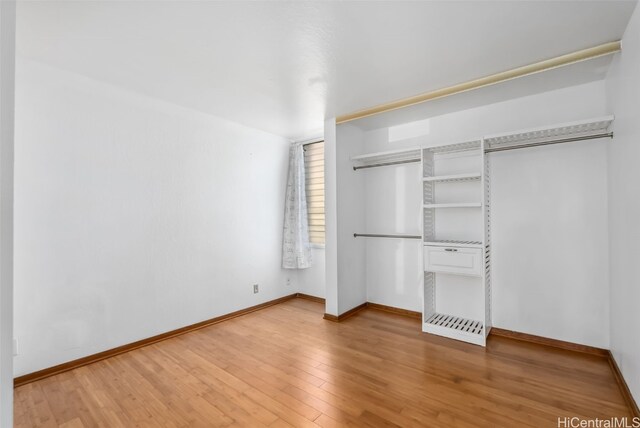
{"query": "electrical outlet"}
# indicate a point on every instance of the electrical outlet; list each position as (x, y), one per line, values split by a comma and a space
(15, 347)
(288, 282)
(255, 288)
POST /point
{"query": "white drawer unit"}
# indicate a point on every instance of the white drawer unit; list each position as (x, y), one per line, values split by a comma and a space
(456, 260)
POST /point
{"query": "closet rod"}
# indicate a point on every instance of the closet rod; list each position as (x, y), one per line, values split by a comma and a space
(378, 235)
(548, 142)
(355, 168)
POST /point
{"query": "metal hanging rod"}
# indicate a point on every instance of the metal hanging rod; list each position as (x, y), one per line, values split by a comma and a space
(375, 165)
(379, 235)
(545, 143)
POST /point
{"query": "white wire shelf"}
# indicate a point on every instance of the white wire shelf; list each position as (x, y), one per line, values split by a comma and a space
(455, 205)
(453, 177)
(456, 147)
(582, 128)
(452, 243)
(455, 327)
(455, 323)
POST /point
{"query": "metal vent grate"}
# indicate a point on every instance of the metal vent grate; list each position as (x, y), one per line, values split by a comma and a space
(456, 323)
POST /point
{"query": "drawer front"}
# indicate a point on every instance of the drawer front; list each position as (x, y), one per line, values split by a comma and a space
(463, 261)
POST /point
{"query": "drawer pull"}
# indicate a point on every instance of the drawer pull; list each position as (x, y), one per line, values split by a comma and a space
(451, 249)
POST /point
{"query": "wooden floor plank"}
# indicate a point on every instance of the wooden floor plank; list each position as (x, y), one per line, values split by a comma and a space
(284, 366)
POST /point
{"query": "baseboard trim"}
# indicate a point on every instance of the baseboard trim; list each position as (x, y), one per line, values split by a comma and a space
(555, 343)
(330, 317)
(394, 310)
(349, 313)
(310, 297)
(80, 362)
(624, 388)
(377, 307)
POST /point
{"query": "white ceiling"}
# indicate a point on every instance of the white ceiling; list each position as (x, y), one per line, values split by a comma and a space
(284, 66)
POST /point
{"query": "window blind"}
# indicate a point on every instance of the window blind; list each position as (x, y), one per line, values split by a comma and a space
(314, 177)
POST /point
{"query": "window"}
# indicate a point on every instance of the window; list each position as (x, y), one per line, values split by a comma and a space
(314, 176)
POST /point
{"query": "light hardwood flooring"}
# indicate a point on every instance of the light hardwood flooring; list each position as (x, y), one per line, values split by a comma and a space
(284, 366)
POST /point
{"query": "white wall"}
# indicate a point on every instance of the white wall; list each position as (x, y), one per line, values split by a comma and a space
(394, 205)
(550, 242)
(624, 206)
(331, 216)
(550, 278)
(344, 214)
(7, 63)
(351, 214)
(135, 217)
(311, 281)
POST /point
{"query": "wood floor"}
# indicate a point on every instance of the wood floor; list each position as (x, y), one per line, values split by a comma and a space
(285, 366)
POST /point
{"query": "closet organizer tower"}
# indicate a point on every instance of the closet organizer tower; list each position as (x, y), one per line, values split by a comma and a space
(456, 221)
(455, 233)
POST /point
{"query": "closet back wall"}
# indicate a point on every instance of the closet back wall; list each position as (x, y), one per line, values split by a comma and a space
(549, 218)
(624, 206)
(134, 217)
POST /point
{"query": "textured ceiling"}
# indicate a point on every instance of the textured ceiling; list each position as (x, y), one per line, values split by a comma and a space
(284, 66)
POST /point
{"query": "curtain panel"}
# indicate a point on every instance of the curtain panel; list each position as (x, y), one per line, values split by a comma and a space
(296, 248)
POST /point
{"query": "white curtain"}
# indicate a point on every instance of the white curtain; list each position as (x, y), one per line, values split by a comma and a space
(296, 249)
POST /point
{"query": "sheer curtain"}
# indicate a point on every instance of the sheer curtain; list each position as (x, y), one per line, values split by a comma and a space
(296, 249)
